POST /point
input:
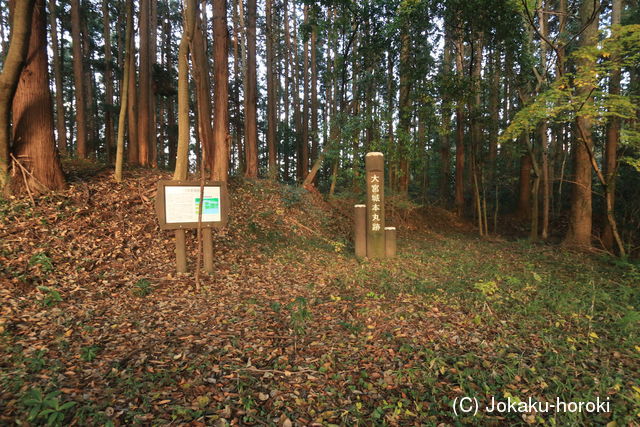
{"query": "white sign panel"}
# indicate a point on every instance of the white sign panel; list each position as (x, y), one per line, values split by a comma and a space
(182, 203)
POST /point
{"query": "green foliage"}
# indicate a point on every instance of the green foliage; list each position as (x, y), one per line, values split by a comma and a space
(46, 409)
(565, 98)
(142, 288)
(89, 353)
(51, 296)
(42, 260)
(291, 195)
(300, 314)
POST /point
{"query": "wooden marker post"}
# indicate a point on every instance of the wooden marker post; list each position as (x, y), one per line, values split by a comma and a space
(181, 251)
(374, 163)
(360, 230)
(390, 241)
(207, 250)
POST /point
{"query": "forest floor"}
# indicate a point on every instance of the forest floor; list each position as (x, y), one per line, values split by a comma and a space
(97, 328)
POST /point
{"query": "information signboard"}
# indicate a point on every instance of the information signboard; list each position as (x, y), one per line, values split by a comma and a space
(177, 204)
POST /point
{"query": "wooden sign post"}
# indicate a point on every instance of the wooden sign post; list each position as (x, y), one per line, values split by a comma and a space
(177, 206)
(360, 230)
(374, 163)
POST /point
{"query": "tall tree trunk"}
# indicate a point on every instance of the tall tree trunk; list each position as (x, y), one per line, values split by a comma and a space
(203, 91)
(91, 107)
(144, 108)
(459, 193)
(78, 75)
(314, 93)
(286, 94)
(132, 105)
(61, 129)
(182, 157)
(238, 74)
(34, 143)
(9, 78)
(124, 91)
(221, 85)
(108, 82)
(272, 119)
(153, 60)
(251, 95)
(445, 141)
(613, 137)
(404, 107)
(580, 220)
(304, 143)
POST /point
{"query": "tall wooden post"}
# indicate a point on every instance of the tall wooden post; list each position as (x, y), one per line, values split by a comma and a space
(374, 163)
(360, 230)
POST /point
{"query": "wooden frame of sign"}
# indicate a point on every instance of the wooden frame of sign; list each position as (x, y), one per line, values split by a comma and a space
(183, 214)
(180, 192)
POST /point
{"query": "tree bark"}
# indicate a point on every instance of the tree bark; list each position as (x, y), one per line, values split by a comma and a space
(459, 193)
(221, 84)
(144, 108)
(108, 82)
(445, 141)
(132, 104)
(200, 64)
(34, 143)
(11, 70)
(580, 220)
(182, 157)
(61, 129)
(272, 119)
(523, 210)
(78, 75)
(613, 138)
(251, 100)
(124, 92)
(404, 107)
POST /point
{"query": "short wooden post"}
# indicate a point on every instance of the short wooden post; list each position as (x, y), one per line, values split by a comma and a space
(181, 252)
(374, 163)
(390, 241)
(207, 249)
(360, 230)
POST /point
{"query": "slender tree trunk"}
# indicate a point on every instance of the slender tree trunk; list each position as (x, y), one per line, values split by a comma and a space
(108, 82)
(144, 109)
(61, 129)
(78, 75)
(182, 158)
(203, 92)
(221, 85)
(404, 107)
(239, 75)
(251, 96)
(314, 95)
(34, 143)
(304, 143)
(124, 90)
(91, 107)
(132, 106)
(613, 137)
(286, 93)
(459, 193)
(445, 142)
(153, 59)
(272, 119)
(579, 233)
